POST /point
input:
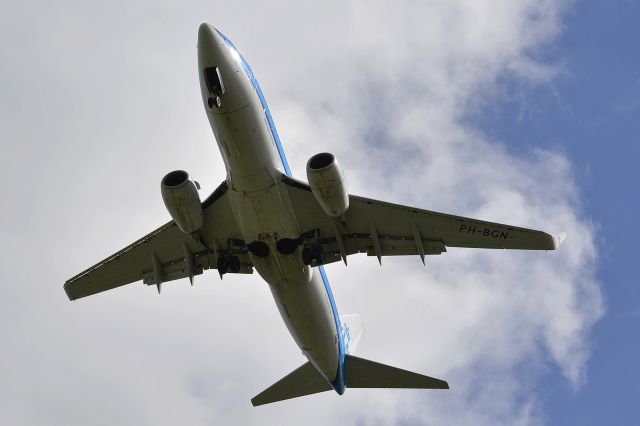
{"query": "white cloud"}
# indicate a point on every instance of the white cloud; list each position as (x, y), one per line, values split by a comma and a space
(106, 101)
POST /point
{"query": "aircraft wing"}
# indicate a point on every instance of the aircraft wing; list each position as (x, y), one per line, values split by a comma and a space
(385, 229)
(167, 253)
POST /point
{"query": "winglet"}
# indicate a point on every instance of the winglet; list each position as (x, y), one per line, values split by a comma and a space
(558, 239)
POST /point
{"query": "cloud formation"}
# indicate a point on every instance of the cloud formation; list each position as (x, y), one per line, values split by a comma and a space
(389, 90)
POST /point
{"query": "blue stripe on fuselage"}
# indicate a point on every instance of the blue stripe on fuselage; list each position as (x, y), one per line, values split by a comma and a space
(338, 382)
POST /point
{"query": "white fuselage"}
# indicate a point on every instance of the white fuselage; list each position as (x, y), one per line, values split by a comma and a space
(255, 162)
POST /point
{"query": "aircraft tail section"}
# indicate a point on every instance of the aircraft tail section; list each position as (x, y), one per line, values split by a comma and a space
(362, 373)
(359, 372)
(303, 381)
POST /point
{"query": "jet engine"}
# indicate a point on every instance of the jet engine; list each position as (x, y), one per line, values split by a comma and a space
(180, 196)
(328, 184)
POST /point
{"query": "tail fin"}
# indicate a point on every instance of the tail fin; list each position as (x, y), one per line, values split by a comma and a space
(303, 381)
(362, 373)
(352, 329)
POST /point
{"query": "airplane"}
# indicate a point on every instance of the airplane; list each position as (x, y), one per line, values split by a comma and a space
(262, 218)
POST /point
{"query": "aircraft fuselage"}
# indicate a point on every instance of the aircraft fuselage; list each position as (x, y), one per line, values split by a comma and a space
(255, 161)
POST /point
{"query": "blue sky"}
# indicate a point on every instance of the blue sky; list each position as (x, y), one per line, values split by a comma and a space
(521, 112)
(592, 112)
(601, 118)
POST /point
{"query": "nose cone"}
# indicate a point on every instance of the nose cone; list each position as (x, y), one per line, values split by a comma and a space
(219, 60)
(207, 36)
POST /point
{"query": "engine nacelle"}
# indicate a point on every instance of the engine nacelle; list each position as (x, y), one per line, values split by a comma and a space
(328, 184)
(180, 196)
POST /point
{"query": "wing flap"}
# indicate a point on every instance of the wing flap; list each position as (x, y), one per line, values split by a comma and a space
(407, 248)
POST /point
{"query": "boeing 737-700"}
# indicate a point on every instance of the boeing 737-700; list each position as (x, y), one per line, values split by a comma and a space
(262, 218)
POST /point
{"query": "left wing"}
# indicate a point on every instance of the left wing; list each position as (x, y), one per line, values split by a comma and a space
(167, 253)
(384, 229)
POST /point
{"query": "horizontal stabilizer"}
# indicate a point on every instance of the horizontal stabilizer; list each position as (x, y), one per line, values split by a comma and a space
(362, 373)
(304, 381)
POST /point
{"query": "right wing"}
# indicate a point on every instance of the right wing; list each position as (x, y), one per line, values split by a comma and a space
(167, 253)
(381, 229)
